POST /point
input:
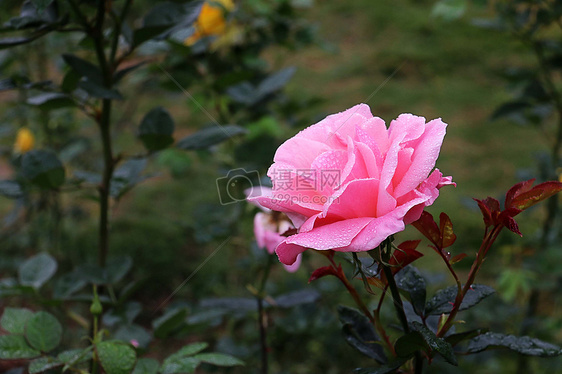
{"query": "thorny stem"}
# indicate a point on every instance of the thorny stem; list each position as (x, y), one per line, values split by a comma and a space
(385, 254)
(103, 118)
(489, 239)
(353, 292)
(374, 317)
(378, 324)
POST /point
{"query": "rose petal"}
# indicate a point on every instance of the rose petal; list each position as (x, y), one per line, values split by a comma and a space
(348, 202)
(335, 235)
(424, 157)
(295, 266)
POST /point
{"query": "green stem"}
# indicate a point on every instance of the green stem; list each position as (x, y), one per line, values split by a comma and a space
(117, 31)
(397, 300)
(104, 189)
(96, 311)
(104, 124)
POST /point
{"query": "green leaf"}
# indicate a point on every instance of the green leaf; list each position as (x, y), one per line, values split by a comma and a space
(91, 273)
(246, 93)
(51, 101)
(294, 298)
(171, 320)
(437, 344)
(129, 332)
(443, 299)
(146, 33)
(43, 331)
(383, 369)
(67, 285)
(8, 84)
(455, 339)
(75, 356)
(407, 345)
(209, 136)
(43, 364)
(185, 365)
(70, 81)
(188, 350)
(449, 10)
(42, 168)
(117, 268)
(166, 17)
(37, 270)
(18, 40)
(410, 280)
(265, 126)
(127, 176)
(11, 189)
(116, 357)
(97, 90)
(146, 366)
(120, 74)
(360, 333)
(13, 347)
(219, 359)
(14, 319)
(41, 5)
(84, 68)
(114, 271)
(156, 129)
(521, 344)
(124, 314)
(275, 81)
(183, 360)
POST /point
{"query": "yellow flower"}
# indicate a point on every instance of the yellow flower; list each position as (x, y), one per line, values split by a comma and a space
(24, 141)
(211, 20)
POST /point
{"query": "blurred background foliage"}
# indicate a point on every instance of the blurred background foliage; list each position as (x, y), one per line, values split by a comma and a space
(265, 70)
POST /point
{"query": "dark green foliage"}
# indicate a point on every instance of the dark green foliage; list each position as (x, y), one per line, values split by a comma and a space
(43, 168)
(360, 333)
(442, 301)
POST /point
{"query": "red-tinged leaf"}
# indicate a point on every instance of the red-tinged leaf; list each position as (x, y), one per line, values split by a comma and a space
(492, 204)
(448, 237)
(404, 255)
(516, 190)
(409, 245)
(374, 281)
(511, 225)
(486, 214)
(457, 258)
(322, 272)
(536, 194)
(511, 212)
(427, 226)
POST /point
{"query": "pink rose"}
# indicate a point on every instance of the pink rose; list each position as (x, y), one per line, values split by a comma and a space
(269, 227)
(347, 183)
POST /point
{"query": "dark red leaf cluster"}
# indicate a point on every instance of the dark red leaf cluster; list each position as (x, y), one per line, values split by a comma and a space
(519, 197)
(441, 236)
